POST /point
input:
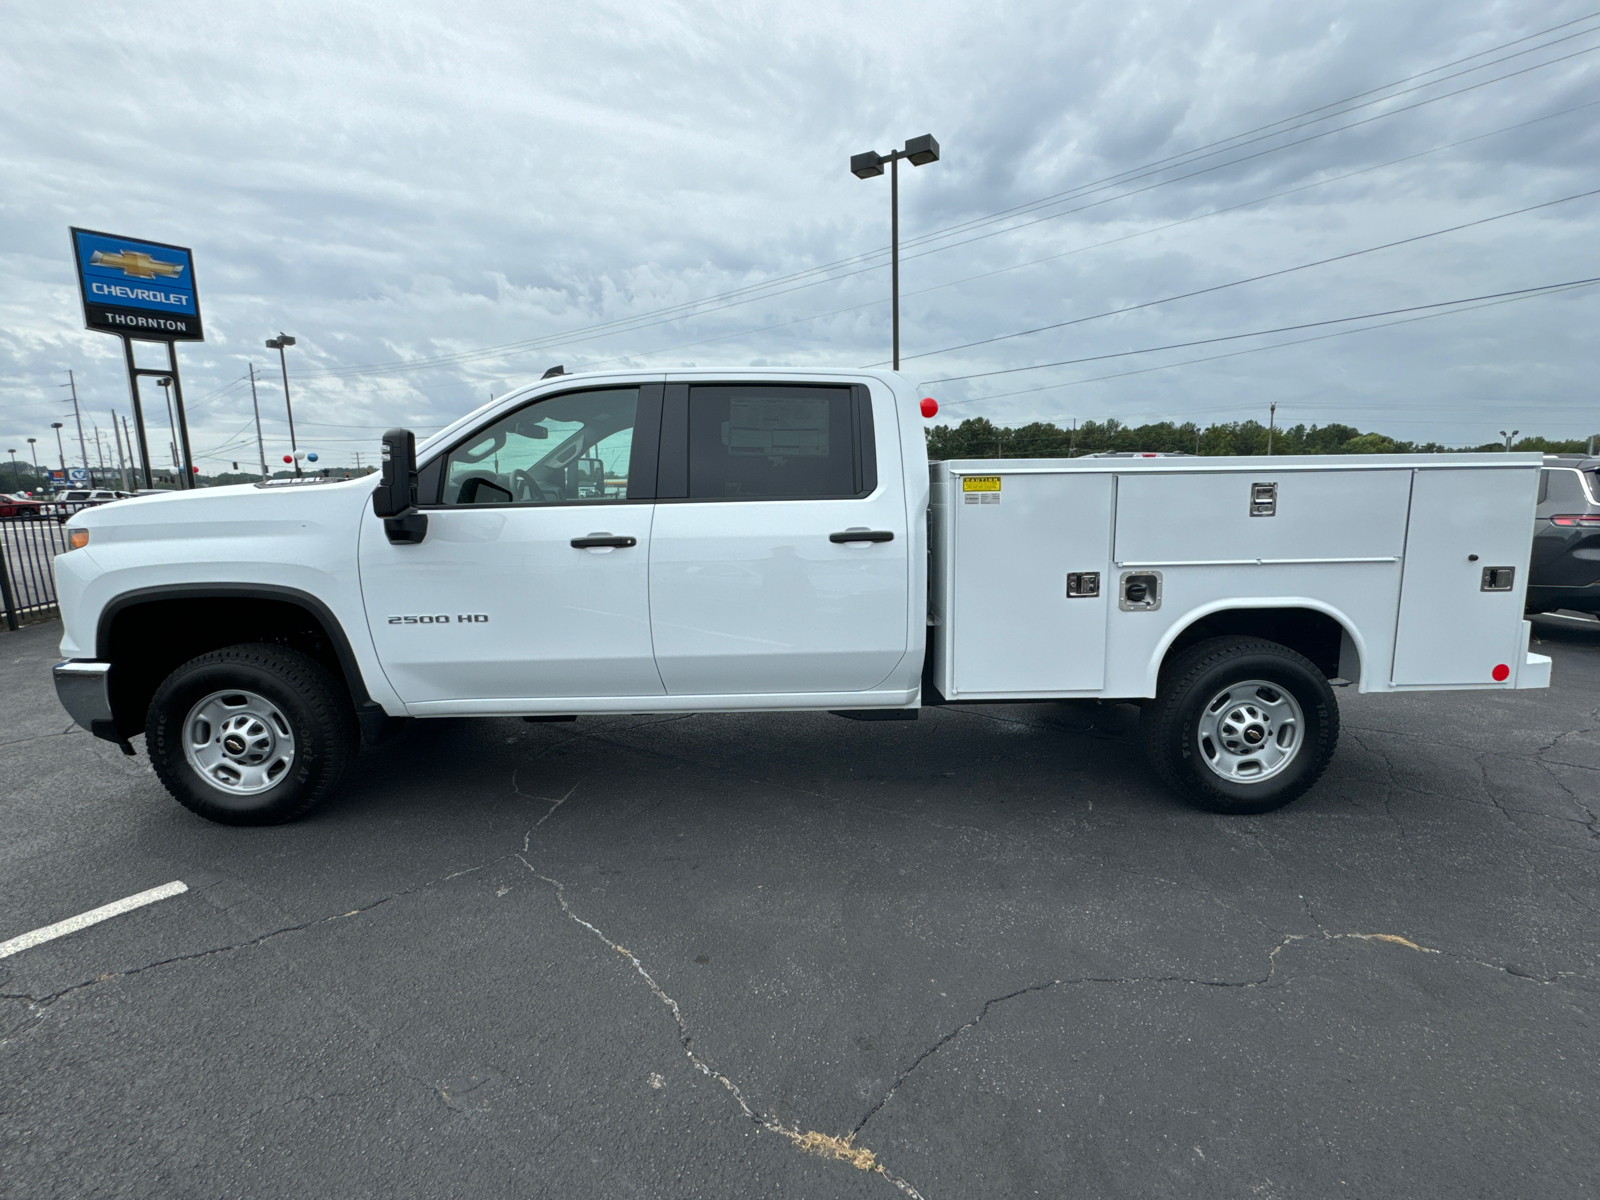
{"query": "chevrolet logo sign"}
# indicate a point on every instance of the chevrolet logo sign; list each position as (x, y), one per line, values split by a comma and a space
(136, 264)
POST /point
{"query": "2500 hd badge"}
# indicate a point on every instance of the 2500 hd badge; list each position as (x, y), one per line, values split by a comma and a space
(442, 619)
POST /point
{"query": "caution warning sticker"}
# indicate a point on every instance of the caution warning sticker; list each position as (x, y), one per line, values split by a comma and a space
(980, 483)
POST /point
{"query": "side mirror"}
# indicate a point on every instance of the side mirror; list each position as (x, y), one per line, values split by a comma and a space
(396, 493)
(395, 497)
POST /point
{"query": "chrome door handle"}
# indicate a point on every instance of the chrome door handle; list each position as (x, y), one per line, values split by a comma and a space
(861, 535)
(602, 539)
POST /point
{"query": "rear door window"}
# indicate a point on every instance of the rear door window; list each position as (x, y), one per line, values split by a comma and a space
(774, 442)
(1565, 490)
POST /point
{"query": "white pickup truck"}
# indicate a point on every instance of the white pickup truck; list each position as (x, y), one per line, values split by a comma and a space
(736, 541)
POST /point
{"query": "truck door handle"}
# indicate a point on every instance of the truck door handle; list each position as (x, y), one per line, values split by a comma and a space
(861, 535)
(602, 539)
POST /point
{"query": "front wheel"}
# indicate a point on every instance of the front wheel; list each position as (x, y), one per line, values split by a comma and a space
(1241, 725)
(250, 735)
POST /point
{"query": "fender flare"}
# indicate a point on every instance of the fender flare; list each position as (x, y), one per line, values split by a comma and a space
(1234, 604)
(324, 616)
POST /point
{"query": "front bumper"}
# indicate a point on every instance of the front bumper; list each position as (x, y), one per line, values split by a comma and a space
(84, 691)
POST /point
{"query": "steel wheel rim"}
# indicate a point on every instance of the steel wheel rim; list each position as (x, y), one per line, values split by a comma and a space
(239, 742)
(1250, 731)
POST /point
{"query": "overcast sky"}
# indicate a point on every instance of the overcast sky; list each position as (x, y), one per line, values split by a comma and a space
(398, 182)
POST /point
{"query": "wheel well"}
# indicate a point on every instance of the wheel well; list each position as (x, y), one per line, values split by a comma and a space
(147, 640)
(1316, 635)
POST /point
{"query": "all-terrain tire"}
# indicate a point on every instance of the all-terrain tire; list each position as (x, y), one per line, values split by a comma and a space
(1181, 750)
(286, 700)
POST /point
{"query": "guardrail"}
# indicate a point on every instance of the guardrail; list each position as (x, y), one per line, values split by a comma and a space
(27, 547)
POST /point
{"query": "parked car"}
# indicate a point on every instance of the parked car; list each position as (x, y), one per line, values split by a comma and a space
(1565, 569)
(66, 503)
(18, 504)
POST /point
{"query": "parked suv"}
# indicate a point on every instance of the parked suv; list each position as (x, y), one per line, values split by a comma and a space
(1565, 568)
(67, 503)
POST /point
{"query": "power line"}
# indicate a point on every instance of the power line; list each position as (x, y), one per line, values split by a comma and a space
(1232, 337)
(1189, 362)
(1321, 262)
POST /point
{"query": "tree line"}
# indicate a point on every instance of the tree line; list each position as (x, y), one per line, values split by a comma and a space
(978, 437)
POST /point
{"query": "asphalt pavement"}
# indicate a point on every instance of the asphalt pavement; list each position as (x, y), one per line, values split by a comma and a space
(983, 954)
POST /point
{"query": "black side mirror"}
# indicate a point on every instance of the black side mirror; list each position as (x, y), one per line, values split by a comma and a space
(396, 494)
(395, 497)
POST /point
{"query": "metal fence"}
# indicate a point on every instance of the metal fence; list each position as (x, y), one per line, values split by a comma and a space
(27, 579)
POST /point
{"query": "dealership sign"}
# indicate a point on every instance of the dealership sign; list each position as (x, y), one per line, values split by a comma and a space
(137, 288)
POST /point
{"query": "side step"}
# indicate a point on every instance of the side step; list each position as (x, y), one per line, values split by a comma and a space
(876, 714)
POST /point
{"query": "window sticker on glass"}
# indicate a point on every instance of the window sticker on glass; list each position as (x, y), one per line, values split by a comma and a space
(776, 427)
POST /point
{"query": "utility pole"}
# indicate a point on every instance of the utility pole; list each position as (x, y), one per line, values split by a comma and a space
(261, 446)
(99, 450)
(122, 463)
(83, 444)
(1072, 446)
(127, 435)
(1272, 420)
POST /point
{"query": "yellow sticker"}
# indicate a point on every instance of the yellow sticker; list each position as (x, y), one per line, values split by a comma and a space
(980, 483)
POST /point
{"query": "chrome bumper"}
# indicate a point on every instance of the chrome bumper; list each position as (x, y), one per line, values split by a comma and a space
(83, 692)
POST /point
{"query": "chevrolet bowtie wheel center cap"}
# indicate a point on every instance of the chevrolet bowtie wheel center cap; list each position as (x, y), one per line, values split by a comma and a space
(1249, 732)
(239, 742)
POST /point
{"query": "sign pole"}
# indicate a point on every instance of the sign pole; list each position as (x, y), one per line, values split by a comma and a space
(138, 412)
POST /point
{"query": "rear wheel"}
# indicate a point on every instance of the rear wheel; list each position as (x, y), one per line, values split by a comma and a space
(251, 735)
(1241, 725)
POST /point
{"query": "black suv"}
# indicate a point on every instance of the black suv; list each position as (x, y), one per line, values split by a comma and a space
(1565, 571)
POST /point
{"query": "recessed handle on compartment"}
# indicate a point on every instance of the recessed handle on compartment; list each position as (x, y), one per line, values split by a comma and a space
(602, 539)
(861, 535)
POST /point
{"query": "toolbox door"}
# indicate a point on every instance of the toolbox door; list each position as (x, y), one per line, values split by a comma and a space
(1017, 538)
(1457, 624)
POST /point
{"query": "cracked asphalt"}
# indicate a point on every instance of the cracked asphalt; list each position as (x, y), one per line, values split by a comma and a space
(984, 954)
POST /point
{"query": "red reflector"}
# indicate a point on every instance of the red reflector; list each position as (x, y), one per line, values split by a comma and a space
(1501, 673)
(930, 406)
(1577, 519)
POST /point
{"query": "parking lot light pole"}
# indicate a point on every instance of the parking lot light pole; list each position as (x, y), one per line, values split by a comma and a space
(16, 471)
(33, 449)
(1509, 437)
(278, 343)
(62, 450)
(918, 151)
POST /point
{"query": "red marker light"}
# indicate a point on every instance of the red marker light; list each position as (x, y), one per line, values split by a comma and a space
(930, 406)
(1501, 673)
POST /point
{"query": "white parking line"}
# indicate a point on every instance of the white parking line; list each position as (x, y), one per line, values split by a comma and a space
(93, 917)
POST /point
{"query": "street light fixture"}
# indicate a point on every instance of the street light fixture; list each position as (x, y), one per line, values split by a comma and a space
(62, 450)
(278, 343)
(1509, 437)
(919, 151)
(33, 449)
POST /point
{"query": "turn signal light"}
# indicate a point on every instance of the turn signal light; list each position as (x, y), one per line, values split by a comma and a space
(77, 538)
(1577, 519)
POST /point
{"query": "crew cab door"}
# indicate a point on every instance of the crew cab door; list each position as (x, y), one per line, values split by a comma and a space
(532, 581)
(756, 586)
